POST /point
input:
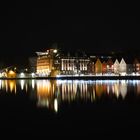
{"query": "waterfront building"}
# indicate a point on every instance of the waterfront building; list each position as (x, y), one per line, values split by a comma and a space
(47, 62)
(84, 65)
(110, 67)
(123, 67)
(116, 66)
(104, 67)
(51, 63)
(3, 74)
(68, 65)
(91, 68)
(92, 65)
(74, 65)
(136, 66)
(98, 67)
(32, 64)
(11, 74)
(130, 69)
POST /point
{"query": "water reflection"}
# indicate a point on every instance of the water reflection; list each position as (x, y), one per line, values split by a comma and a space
(51, 93)
(8, 86)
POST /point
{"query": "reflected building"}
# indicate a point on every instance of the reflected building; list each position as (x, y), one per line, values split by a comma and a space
(8, 86)
(46, 93)
(123, 88)
(138, 87)
(99, 89)
(52, 93)
(117, 89)
(12, 85)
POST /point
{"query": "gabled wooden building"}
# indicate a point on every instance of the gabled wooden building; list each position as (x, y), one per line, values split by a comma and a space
(123, 67)
(116, 66)
(104, 68)
(136, 66)
(98, 67)
(110, 67)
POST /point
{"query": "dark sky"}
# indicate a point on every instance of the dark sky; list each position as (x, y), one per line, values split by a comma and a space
(27, 27)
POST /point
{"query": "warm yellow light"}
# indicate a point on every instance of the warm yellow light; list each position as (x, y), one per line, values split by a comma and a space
(12, 85)
(11, 72)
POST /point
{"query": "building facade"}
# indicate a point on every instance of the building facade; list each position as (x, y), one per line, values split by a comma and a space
(98, 67)
(47, 62)
(116, 67)
(123, 67)
(110, 67)
(32, 64)
(136, 66)
(104, 68)
(50, 63)
(74, 65)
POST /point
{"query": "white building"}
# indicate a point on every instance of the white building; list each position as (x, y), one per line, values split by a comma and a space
(116, 66)
(123, 67)
(74, 65)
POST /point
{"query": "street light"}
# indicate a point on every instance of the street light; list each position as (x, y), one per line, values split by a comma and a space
(55, 51)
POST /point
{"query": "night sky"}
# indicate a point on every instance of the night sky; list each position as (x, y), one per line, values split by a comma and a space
(27, 27)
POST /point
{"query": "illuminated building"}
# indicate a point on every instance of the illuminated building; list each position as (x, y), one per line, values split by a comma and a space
(68, 66)
(116, 66)
(11, 74)
(104, 67)
(136, 66)
(47, 62)
(91, 68)
(3, 74)
(98, 67)
(74, 65)
(92, 65)
(123, 67)
(51, 63)
(110, 66)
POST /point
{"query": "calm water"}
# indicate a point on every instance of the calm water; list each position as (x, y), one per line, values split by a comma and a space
(69, 106)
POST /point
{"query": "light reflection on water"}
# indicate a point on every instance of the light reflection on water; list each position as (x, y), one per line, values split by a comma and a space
(51, 93)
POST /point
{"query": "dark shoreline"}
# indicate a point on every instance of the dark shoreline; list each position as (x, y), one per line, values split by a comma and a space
(79, 78)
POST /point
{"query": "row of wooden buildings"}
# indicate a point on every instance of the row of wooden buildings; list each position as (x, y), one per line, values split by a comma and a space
(99, 66)
(52, 63)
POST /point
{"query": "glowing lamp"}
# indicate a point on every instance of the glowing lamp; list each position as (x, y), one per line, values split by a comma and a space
(22, 74)
(55, 51)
